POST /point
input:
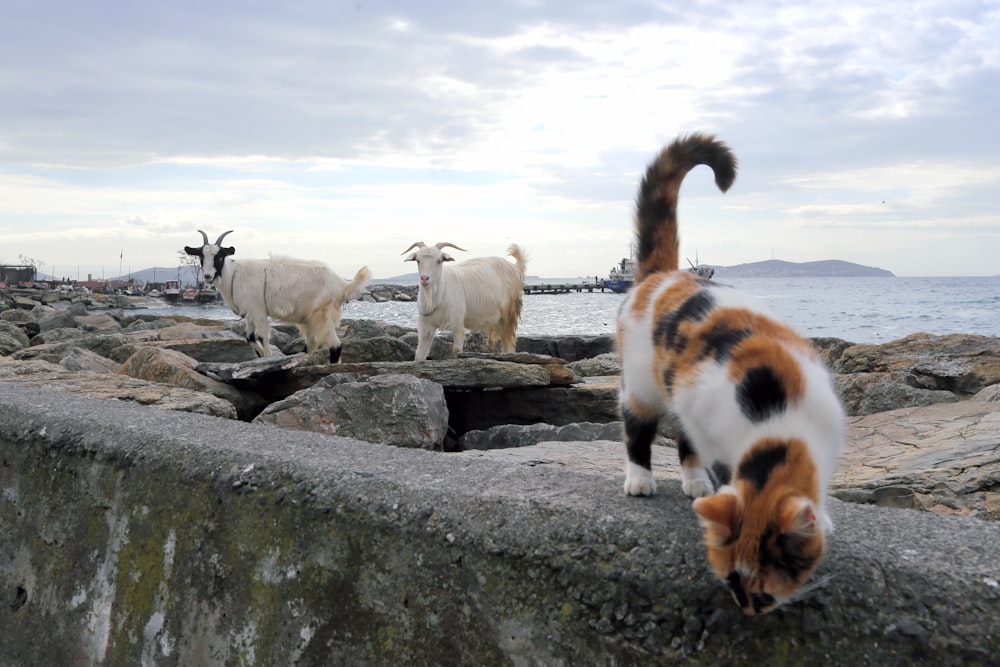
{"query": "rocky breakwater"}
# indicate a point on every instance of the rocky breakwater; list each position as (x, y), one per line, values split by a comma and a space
(924, 431)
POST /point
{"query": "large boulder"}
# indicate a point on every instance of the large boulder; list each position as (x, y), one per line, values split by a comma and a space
(177, 369)
(511, 435)
(570, 348)
(394, 409)
(79, 359)
(867, 393)
(112, 387)
(99, 322)
(230, 349)
(63, 318)
(377, 348)
(12, 338)
(959, 363)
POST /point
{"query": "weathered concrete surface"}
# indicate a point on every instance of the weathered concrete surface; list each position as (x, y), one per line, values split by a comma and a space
(137, 535)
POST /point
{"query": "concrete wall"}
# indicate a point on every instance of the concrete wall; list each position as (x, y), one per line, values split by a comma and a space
(133, 535)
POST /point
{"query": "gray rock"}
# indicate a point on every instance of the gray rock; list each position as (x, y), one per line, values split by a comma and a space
(465, 373)
(601, 365)
(79, 359)
(62, 318)
(12, 338)
(867, 393)
(377, 348)
(510, 435)
(363, 329)
(101, 322)
(170, 367)
(570, 348)
(394, 409)
(960, 363)
(216, 350)
(58, 335)
(991, 393)
(41, 374)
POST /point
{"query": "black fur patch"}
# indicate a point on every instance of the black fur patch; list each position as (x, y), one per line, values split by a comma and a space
(639, 435)
(684, 448)
(735, 582)
(761, 601)
(791, 558)
(758, 465)
(669, 375)
(694, 309)
(720, 340)
(761, 394)
(723, 474)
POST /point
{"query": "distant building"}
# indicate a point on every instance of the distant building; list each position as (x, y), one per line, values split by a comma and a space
(15, 275)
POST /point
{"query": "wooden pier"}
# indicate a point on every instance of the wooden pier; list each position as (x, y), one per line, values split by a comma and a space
(564, 288)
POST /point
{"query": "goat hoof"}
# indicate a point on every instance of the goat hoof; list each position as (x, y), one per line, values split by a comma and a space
(335, 354)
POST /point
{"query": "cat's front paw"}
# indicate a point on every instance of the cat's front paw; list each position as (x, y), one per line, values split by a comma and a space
(697, 483)
(639, 481)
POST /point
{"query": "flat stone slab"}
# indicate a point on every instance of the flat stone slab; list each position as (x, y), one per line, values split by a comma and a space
(944, 458)
(941, 458)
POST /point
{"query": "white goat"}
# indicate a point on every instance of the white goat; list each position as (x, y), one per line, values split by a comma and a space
(481, 293)
(298, 291)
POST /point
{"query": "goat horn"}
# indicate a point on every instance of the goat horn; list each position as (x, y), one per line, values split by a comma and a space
(219, 242)
(204, 236)
(418, 244)
(445, 244)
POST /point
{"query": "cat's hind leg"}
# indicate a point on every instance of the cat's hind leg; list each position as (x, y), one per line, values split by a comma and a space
(696, 480)
(640, 431)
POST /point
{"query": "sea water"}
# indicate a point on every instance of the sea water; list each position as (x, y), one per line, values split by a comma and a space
(860, 310)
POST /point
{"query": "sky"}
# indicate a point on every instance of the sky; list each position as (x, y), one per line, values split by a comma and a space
(345, 131)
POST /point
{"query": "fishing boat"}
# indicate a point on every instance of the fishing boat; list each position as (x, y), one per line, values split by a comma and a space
(701, 270)
(622, 276)
(208, 294)
(172, 290)
(190, 294)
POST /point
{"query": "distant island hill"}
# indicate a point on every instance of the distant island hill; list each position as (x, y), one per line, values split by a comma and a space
(776, 268)
(772, 268)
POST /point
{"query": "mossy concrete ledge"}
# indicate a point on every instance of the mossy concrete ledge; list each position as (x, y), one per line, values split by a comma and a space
(133, 535)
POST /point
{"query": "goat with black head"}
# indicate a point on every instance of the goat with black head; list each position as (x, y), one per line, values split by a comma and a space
(302, 292)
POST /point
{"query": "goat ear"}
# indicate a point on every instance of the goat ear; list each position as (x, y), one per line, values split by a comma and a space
(411, 258)
(192, 251)
(226, 252)
(445, 257)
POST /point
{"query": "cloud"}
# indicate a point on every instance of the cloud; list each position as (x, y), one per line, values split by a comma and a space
(322, 128)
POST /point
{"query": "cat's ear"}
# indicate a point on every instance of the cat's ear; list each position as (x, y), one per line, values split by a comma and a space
(718, 514)
(797, 516)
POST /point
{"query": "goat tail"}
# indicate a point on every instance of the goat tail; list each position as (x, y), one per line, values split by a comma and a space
(520, 257)
(358, 283)
(656, 202)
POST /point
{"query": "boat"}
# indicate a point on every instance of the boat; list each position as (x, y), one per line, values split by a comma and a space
(172, 290)
(622, 276)
(190, 294)
(207, 295)
(701, 270)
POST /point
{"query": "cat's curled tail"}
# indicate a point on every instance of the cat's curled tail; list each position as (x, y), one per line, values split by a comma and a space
(656, 203)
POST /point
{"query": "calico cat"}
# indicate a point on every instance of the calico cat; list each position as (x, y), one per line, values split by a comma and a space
(760, 427)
